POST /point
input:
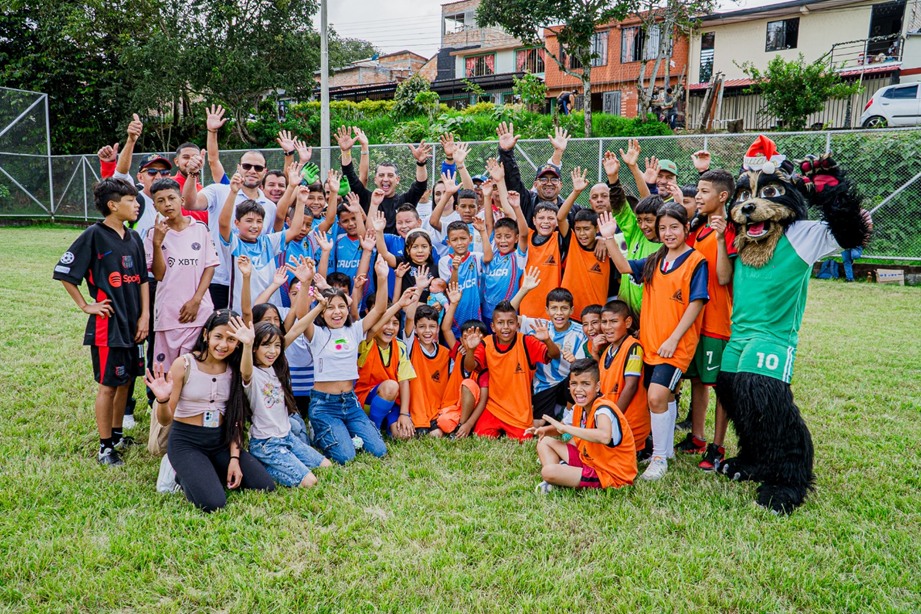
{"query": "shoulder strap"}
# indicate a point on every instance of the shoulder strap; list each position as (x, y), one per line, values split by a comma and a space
(188, 367)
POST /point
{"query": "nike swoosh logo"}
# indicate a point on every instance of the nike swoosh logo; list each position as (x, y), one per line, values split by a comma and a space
(101, 256)
(711, 368)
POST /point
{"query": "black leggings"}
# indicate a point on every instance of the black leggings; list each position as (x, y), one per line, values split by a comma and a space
(200, 459)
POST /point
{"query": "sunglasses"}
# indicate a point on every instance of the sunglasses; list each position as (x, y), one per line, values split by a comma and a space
(153, 172)
(246, 166)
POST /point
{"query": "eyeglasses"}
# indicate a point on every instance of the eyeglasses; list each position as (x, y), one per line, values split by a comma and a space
(153, 172)
(544, 180)
(252, 167)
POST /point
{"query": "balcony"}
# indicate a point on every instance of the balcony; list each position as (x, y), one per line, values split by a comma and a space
(866, 54)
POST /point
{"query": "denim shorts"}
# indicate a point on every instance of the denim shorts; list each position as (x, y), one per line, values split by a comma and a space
(287, 459)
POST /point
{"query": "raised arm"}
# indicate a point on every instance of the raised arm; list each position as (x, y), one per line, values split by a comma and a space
(245, 334)
(159, 262)
(529, 281)
(285, 140)
(224, 221)
(379, 223)
(461, 150)
(579, 184)
(326, 247)
(214, 120)
(353, 204)
(192, 198)
(454, 294)
(542, 333)
(724, 264)
(278, 280)
(245, 267)
(364, 163)
(135, 128)
(380, 300)
(514, 201)
(608, 228)
(293, 175)
(333, 182)
(559, 139)
(421, 155)
(631, 159)
(480, 226)
(297, 220)
(451, 188)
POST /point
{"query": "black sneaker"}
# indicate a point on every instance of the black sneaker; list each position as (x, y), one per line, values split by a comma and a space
(644, 454)
(712, 458)
(125, 442)
(692, 445)
(108, 456)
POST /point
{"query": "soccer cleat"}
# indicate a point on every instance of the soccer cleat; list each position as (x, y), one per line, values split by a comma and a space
(656, 470)
(108, 456)
(128, 422)
(692, 445)
(544, 488)
(125, 442)
(684, 425)
(712, 458)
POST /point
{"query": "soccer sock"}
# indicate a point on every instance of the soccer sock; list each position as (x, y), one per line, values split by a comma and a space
(379, 410)
(672, 413)
(117, 434)
(105, 443)
(661, 423)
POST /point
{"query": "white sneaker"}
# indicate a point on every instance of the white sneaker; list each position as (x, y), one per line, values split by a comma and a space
(129, 422)
(656, 470)
(544, 488)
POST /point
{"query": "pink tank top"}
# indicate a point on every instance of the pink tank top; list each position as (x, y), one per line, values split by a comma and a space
(203, 391)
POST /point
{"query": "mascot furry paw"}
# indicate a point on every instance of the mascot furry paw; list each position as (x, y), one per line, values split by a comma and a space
(777, 246)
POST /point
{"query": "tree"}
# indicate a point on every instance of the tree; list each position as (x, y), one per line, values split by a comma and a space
(661, 23)
(344, 51)
(794, 90)
(407, 94)
(573, 22)
(533, 91)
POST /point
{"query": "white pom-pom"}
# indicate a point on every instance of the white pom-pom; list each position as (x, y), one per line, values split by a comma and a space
(768, 168)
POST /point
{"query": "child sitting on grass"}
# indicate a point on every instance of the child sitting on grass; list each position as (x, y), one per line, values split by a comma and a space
(602, 454)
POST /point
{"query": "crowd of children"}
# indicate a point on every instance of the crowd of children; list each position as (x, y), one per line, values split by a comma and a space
(296, 322)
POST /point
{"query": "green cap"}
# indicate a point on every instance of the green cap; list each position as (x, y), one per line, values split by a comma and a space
(668, 165)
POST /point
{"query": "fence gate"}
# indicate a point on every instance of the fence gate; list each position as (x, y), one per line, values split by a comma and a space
(25, 155)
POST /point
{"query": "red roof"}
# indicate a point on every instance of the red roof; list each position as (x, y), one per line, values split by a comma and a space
(882, 68)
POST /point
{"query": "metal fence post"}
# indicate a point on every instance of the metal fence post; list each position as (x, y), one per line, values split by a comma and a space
(50, 175)
(827, 142)
(83, 174)
(706, 142)
(600, 158)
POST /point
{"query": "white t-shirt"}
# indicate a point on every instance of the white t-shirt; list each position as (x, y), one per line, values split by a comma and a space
(335, 352)
(217, 194)
(440, 237)
(267, 399)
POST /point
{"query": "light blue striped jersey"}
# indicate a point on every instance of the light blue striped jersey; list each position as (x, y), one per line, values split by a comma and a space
(569, 340)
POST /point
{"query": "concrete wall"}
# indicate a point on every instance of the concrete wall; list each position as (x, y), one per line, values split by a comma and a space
(745, 41)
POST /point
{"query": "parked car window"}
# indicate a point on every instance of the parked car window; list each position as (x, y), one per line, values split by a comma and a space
(901, 93)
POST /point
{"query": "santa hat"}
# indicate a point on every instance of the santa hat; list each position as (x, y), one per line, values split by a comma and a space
(762, 156)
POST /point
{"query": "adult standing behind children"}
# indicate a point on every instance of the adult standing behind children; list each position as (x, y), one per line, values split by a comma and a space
(386, 178)
(212, 198)
(111, 259)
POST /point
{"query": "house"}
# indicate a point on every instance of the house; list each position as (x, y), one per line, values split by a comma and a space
(375, 78)
(863, 40)
(488, 57)
(623, 49)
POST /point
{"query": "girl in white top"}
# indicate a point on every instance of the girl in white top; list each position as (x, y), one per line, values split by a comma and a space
(267, 384)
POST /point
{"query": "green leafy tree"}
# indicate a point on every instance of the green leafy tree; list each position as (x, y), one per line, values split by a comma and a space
(405, 96)
(793, 90)
(574, 23)
(428, 101)
(532, 90)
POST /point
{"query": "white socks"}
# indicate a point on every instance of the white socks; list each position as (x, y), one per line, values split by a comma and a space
(661, 437)
(672, 413)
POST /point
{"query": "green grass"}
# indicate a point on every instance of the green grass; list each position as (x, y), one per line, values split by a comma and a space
(448, 527)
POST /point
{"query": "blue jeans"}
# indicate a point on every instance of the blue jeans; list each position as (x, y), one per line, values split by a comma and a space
(298, 428)
(287, 459)
(335, 419)
(849, 256)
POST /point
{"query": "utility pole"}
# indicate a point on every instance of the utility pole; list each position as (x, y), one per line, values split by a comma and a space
(324, 91)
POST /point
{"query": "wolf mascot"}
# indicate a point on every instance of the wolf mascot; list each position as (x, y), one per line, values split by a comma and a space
(777, 246)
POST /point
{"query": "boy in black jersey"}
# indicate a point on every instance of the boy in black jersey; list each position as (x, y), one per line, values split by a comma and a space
(111, 259)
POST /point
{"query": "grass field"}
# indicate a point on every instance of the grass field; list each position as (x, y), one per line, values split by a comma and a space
(439, 526)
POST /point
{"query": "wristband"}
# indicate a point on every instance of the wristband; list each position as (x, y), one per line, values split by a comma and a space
(365, 153)
(213, 131)
(234, 457)
(290, 153)
(461, 166)
(421, 163)
(407, 415)
(162, 402)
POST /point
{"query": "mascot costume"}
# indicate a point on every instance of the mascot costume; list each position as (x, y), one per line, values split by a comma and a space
(777, 247)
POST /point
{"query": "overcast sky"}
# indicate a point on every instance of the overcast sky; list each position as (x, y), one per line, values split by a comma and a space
(393, 25)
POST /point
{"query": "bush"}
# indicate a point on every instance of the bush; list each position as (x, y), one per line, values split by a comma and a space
(405, 96)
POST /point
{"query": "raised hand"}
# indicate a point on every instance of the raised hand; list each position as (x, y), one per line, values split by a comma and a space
(402, 269)
(675, 192)
(559, 139)
(496, 169)
(447, 145)
(541, 330)
(236, 183)
(305, 270)
(478, 223)
(293, 173)
(353, 203)
(451, 186)
(285, 141)
(632, 157)
(472, 338)
(380, 267)
(652, 170)
(607, 226)
(423, 279)
(611, 165)
(409, 297)
(531, 279)
(242, 332)
(245, 265)
(421, 153)
(344, 138)
(360, 282)
(323, 241)
(486, 188)
(310, 173)
(454, 293)
(701, 160)
(135, 128)
(360, 136)
(280, 276)
(109, 153)
(333, 181)
(514, 199)
(579, 182)
(303, 150)
(214, 118)
(368, 242)
(160, 230)
(160, 381)
(718, 224)
(379, 222)
(460, 152)
(507, 136)
(196, 163)
(377, 197)
(320, 282)
(101, 309)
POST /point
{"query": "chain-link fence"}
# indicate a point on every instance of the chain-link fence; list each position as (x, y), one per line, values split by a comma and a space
(883, 164)
(25, 186)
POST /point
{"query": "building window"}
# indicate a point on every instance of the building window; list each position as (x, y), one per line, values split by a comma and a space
(480, 65)
(600, 48)
(529, 60)
(634, 41)
(570, 62)
(707, 42)
(782, 34)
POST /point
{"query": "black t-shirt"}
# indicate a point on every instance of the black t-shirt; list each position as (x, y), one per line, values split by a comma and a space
(565, 97)
(390, 204)
(114, 268)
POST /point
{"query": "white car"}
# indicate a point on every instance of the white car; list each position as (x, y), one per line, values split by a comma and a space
(894, 105)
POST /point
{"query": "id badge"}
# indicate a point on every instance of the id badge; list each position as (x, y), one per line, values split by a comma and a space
(211, 419)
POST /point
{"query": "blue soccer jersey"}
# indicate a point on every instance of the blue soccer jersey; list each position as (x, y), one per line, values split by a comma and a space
(468, 280)
(503, 274)
(569, 340)
(292, 253)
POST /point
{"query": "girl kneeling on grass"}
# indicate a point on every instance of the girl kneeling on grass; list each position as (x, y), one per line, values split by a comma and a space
(674, 282)
(334, 412)
(201, 397)
(267, 384)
